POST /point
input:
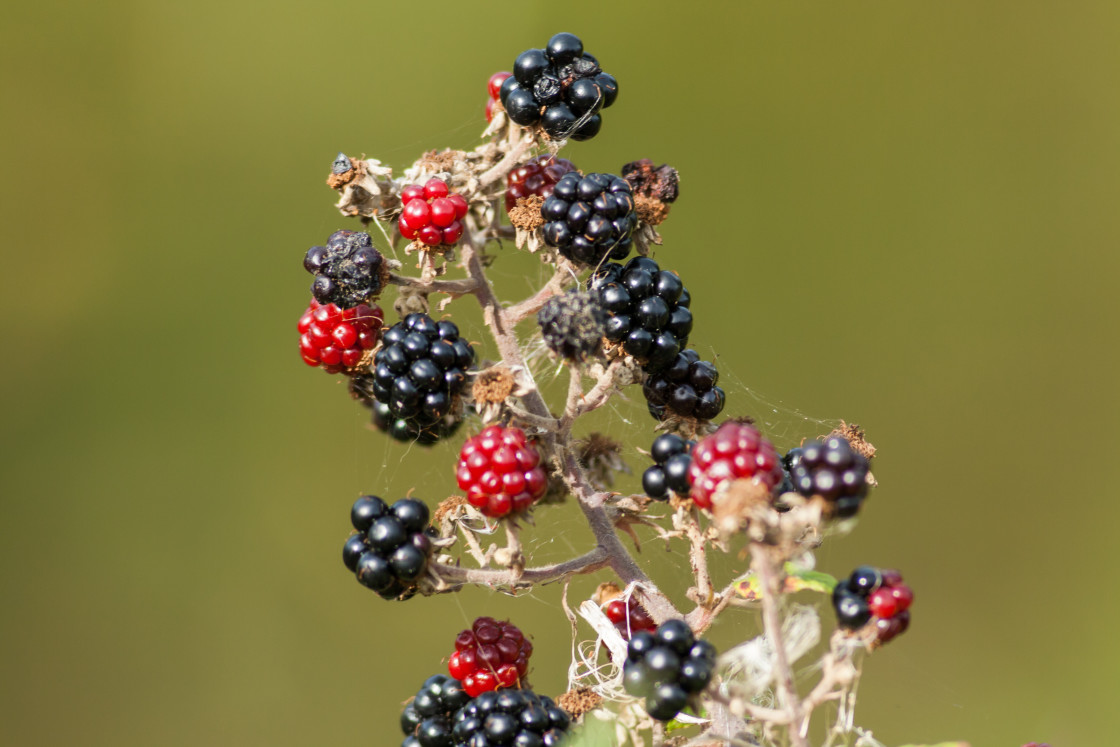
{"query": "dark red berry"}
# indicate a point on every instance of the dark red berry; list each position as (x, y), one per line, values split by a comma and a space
(736, 451)
(489, 655)
(537, 176)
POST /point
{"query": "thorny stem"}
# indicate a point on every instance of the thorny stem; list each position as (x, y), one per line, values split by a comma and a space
(763, 564)
(555, 285)
(580, 403)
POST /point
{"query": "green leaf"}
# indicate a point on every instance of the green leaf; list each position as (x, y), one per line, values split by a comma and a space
(797, 579)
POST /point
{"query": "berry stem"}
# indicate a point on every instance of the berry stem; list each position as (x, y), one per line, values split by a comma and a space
(767, 565)
(580, 403)
(507, 578)
(698, 558)
(452, 288)
(555, 285)
(512, 158)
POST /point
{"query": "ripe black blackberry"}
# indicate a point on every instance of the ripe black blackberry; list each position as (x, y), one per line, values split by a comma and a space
(648, 310)
(426, 721)
(390, 550)
(590, 219)
(667, 667)
(418, 374)
(686, 387)
(672, 458)
(561, 88)
(833, 470)
(361, 389)
(876, 595)
(510, 717)
(572, 325)
(348, 270)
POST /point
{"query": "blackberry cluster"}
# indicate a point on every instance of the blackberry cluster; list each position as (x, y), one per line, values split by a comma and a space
(390, 550)
(667, 667)
(511, 717)
(672, 456)
(490, 655)
(686, 387)
(426, 721)
(831, 469)
(348, 270)
(573, 325)
(736, 451)
(648, 310)
(418, 373)
(538, 176)
(873, 594)
(361, 389)
(561, 88)
(590, 219)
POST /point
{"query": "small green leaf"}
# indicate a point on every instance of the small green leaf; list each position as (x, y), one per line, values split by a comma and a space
(797, 579)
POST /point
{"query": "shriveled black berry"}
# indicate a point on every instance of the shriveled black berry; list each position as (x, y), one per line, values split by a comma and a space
(348, 270)
(417, 374)
(833, 470)
(572, 325)
(341, 164)
(643, 303)
(591, 217)
(685, 387)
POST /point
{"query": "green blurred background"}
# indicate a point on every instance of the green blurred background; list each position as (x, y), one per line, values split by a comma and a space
(892, 213)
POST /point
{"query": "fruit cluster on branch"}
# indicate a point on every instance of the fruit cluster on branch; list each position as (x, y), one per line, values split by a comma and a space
(613, 321)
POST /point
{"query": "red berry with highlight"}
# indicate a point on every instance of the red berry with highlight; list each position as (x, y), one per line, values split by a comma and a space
(736, 451)
(628, 616)
(500, 471)
(494, 85)
(337, 339)
(490, 655)
(431, 214)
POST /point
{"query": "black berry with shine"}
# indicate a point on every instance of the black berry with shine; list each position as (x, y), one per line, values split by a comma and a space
(667, 667)
(417, 376)
(648, 310)
(672, 457)
(427, 720)
(561, 88)
(348, 270)
(509, 717)
(590, 219)
(686, 388)
(390, 550)
(833, 470)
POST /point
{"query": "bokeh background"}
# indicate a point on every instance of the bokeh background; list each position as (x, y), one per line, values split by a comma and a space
(899, 214)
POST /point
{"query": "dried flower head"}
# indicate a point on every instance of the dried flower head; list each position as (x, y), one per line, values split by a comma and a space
(572, 325)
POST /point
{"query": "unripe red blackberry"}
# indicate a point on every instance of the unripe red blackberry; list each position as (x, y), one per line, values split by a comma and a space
(572, 325)
(672, 458)
(419, 372)
(519, 718)
(348, 270)
(432, 214)
(500, 471)
(647, 309)
(667, 668)
(490, 655)
(736, 451)
(427, 719)
(590, 219)
(390, 551)
(538, 176)
(686, 388)
(561, 88)
(629, 616)
(337, 339)
(833, 470)
(870, 596)
(494, 87)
